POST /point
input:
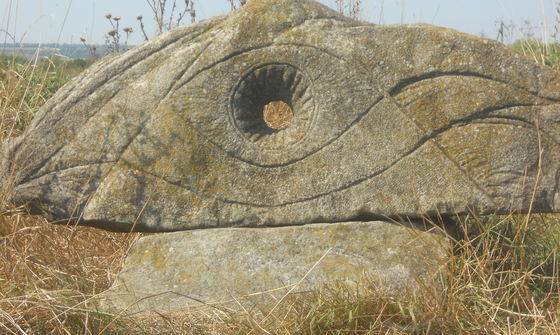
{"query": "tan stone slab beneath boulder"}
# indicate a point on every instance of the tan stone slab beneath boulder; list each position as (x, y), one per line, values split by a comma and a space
(259, 266)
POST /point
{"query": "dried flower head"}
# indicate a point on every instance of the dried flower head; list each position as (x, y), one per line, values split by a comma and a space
(128, 30)
(112, 33)
(108, 16)
(139, 18)
(116, 18)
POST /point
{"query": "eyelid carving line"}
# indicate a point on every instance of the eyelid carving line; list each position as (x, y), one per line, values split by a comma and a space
(418, 145)
(295, 160)
(403, 84)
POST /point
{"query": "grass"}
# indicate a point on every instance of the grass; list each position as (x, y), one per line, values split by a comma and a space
(502, 279)
(25, 85)
(502, 276)
(544, 54)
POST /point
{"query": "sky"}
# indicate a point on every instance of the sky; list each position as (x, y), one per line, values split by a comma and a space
(65, 21)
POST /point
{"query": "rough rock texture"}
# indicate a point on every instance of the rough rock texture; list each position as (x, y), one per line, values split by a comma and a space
(395, 121)
(259, 266)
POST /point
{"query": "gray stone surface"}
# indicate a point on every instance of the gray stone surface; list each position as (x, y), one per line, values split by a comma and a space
(257, 267)
(397, 121)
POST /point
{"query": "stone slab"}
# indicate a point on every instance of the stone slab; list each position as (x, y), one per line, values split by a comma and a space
(257, 267)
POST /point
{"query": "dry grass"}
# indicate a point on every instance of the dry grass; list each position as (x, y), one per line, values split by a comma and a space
(502, 277)
(541, 53)
(47, 272)
(493, 286)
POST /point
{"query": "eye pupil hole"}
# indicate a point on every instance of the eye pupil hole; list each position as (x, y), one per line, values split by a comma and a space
(278, 115)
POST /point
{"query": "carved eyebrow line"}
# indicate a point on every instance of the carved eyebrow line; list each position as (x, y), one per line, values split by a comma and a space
(404, 83)
(267, 45)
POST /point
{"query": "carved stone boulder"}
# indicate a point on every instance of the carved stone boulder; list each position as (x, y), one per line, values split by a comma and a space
(386, 121)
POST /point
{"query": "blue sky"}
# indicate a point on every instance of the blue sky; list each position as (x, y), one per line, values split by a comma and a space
(64, 21)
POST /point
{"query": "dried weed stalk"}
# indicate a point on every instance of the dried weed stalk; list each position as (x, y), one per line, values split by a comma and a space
(168, 15)
(235, 4)
(351, 8)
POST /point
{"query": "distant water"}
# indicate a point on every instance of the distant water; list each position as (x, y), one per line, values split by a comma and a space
(32, 50)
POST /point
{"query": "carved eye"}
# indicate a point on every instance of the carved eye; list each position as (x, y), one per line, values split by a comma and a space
(280, 83)
(225, 103)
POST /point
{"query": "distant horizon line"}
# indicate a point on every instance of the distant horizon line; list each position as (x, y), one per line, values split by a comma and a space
(50, 44)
